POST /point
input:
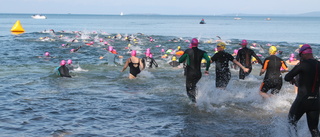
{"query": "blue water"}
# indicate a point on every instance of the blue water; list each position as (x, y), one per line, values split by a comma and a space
(99, 100)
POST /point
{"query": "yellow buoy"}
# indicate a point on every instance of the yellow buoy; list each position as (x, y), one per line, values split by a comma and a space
(17, 27)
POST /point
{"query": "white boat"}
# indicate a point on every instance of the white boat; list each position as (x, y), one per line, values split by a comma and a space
(237, 18)
(268, 19)
(121, 14)
(38, 16)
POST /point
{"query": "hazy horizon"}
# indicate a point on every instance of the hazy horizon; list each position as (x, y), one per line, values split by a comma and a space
(164, 7)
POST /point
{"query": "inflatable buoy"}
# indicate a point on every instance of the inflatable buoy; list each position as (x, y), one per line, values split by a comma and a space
(179, 53)
(17, 27)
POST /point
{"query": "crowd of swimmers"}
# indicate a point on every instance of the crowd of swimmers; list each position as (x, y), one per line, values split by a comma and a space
(304, 75)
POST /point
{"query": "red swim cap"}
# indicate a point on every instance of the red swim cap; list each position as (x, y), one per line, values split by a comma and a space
(194, 42)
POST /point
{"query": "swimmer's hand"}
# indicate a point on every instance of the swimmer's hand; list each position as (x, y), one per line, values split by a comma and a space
(292, 81)
(206, 72)
(120, 57)
(246, 70)
(101, 57)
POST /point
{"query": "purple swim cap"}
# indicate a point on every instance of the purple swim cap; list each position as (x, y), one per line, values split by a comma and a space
(194, 42)
(62, 62)
(69, 61)
(133, 53)
(244, 42)
(47, 54)
(306, 48)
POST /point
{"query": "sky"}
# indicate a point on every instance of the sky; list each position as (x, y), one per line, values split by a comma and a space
(165, 7)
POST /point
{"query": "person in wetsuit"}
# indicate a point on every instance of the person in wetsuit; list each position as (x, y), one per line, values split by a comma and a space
(222, 58)
(244, 57)
(273, 78)
(174, 62)
(193, 59)
(148, 62)
(134, 63)
(307, 100)
(62, 70)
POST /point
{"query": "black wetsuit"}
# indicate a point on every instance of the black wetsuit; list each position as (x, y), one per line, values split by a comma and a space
(134, 68)
(307, 100)
(273, 78)
(223, 74)
(244, 57)
(64, 71)
(148, 62)
(193, 59)
(174, 63)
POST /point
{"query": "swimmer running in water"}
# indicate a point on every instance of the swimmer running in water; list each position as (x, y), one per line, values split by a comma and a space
(222, 59)
(307, 100)
(134, 63)
(244, 57)
(273, 77)
(193, 57)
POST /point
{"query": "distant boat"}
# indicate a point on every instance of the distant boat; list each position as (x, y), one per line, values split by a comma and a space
(268, 19)
(38, 16)
(237, 18)
(121, 14)
(202, 22)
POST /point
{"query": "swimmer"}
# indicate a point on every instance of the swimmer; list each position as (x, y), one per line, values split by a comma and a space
(193, 59)
(147, 61)
(174, 62)
(307, 99)
(70, 65)
(273, 78)
(135, 64)
(62, 70)
(222, 58)
(244, 57)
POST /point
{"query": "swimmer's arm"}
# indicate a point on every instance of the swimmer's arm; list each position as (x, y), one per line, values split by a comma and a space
(141, 64)
(284, 66)
(183, 58)
(292, 73)
(258, 59)
(208, 62)
(154, 62)
(241, 66)
(262, 72)
(125, 65)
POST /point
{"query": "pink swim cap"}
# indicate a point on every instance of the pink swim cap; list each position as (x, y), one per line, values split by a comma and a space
(194, 42)
(292, 55)
(150, 55)
(235, 51)
(105, 43)
(47, 54)
(244, 42)
(110, 48)
(148, 51)
(72, 50)
(63, 45)
(133, 53)
(62, 62)
(291, 59)
(69, 61)
(306, 48)
(162, 50)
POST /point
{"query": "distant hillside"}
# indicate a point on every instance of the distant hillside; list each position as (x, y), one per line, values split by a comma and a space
(313, 14)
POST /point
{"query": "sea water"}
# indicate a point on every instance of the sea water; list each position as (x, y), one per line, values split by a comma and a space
(99, 100)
